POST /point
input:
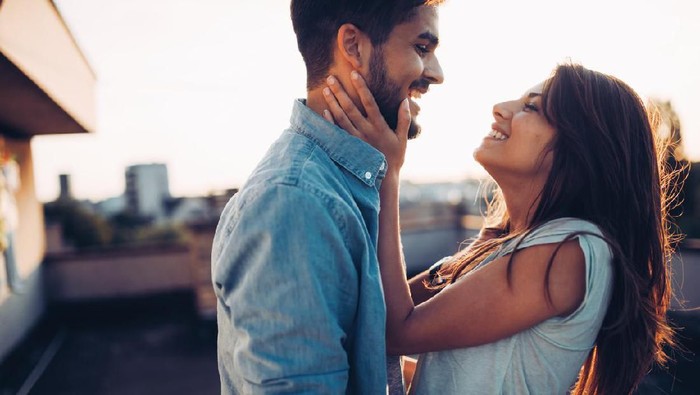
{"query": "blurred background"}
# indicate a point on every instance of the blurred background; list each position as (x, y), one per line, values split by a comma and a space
(126, 126)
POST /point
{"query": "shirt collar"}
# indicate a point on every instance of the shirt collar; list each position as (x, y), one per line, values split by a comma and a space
(356, 156)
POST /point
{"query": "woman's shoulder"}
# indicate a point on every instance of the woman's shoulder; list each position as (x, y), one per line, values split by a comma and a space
(568, 224)
(560, 230)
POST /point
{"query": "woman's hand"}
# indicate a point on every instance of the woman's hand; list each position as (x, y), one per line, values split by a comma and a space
(371, 128)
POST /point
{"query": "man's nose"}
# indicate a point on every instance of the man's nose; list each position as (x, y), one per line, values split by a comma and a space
(433, 71)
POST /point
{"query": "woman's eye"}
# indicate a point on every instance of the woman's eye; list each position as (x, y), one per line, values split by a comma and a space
(530, 107)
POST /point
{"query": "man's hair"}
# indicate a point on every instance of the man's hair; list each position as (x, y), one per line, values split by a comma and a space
(316, 23)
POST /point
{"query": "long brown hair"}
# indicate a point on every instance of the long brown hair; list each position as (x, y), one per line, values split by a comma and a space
(608, 169)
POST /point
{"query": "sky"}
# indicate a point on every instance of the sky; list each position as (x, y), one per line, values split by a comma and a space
(205, 86)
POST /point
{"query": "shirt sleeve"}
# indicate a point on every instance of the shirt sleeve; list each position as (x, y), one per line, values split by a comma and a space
(287, 285)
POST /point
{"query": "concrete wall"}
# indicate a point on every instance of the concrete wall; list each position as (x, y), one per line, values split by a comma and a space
(200, 261)
(120, 273)
(35, 38)
(19, 312)
(31, 243)
(20, 309)
(46, 87)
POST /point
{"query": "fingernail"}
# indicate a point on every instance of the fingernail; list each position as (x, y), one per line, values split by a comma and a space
(326, 114)
(331, 80)
(354, 75)
(326, 91)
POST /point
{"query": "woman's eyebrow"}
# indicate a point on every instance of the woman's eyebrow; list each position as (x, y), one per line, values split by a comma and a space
(533, 95)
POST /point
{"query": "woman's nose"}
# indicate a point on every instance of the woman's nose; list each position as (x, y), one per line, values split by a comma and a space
(500, 110)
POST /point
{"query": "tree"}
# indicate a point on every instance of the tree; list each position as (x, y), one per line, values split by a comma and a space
(684, 181)
(81, 227)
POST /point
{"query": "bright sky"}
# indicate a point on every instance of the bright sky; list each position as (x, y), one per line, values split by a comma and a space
(205, 86)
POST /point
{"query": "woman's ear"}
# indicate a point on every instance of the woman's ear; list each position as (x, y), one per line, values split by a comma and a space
(353, 45)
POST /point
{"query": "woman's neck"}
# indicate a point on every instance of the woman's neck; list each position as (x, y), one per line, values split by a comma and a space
(521, 202)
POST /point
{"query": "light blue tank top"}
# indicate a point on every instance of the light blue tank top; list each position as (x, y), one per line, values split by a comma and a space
(544, 359)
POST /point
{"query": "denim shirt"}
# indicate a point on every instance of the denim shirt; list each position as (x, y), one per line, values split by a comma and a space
(295, 271)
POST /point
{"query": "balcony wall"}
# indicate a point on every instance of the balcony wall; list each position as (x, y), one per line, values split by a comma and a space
(113, 274)
(46, 87)
(47, 84)
(21, 308)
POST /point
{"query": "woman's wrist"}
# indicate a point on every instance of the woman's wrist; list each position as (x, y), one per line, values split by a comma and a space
(392, 176)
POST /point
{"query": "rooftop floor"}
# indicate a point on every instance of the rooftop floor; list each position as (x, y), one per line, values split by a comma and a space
(158, 345)
(150, 346)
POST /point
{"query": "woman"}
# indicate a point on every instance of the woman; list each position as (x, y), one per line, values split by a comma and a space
(567, 286)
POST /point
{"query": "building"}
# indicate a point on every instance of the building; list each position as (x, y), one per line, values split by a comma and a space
(183, 210)
(111, 206)
(65, 188)
(147, 190)
(46, 87)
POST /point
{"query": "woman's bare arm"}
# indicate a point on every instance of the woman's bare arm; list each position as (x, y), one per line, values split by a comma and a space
(483, 306)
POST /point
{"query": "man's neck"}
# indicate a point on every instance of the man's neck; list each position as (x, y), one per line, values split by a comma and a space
(315, 100)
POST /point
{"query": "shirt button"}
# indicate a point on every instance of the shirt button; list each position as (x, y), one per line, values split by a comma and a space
(382, 166)
(368, 175)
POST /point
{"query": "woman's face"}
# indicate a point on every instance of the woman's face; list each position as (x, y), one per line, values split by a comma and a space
(517, 147)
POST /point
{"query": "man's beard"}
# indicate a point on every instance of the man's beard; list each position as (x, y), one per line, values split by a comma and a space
(387, 94)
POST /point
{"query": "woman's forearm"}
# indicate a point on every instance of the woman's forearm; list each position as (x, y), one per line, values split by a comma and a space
(419, 292)
(399, 304)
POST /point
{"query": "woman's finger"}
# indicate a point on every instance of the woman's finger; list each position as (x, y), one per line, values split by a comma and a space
(328, 117)
(404, 121)
(337, 112)
(366, 96)
(351, 111)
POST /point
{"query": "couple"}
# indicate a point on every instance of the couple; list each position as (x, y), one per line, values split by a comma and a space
(564, 290)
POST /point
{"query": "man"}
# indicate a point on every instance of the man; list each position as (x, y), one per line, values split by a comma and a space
(294, 261)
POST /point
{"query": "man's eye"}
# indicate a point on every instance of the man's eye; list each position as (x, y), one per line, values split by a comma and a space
(422, 49)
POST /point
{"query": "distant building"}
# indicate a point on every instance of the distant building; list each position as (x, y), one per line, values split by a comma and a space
(111, 206)
(147, 190)
(66, 192)
(184, 210)
(46, 88)
(467, 192)
(220, 199)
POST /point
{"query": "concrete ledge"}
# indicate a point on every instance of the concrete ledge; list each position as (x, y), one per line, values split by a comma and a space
(55, 80)
(117, 274)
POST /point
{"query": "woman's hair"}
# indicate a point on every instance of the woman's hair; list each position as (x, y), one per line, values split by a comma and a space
(316, 23)
(608, 168)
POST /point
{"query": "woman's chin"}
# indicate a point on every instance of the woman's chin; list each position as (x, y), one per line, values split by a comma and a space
(482, 158)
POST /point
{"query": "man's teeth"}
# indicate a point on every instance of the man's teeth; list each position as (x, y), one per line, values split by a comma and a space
(415, 94)
(497, 135)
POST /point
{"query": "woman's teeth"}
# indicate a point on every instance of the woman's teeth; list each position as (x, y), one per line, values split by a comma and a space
(497, 135)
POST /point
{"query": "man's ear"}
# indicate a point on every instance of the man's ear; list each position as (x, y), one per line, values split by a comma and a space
(353, 45)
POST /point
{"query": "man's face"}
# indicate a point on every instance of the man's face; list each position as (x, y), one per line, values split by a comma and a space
(405, 66)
